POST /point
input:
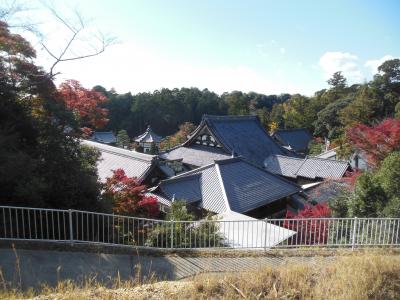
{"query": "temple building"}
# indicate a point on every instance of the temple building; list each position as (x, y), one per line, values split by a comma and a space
(149, 141)
(222, 137)
(232, 185)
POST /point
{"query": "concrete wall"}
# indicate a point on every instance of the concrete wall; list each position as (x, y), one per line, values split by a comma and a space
(31, 268)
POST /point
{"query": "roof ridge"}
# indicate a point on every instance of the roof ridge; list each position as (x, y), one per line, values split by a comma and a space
(222, 185)
(192, 172)
(288, 157)
(328, 159)
(179, 178)
(128, 154)
(227, 117)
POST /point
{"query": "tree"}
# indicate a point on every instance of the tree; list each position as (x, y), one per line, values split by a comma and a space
(85, 103)
(183, 231)
(298, 113)
(376, 193)
(376, 141)
(328, 123)
(40, 165)
(338, 81)
(123, 139)
(127, 197)
(179, 137)
(309, 231)
(366, 107)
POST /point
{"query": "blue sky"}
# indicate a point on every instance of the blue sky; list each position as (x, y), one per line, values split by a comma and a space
(262, 46)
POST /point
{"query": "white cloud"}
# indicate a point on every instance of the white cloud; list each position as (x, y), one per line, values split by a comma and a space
(129, 67)
(373, 64)
(283, 50)
(345, 62)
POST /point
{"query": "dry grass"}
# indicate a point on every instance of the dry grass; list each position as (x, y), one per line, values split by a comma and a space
(353, 277)
(361, 276)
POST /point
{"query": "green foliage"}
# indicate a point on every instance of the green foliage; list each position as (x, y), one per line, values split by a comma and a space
(186, 233)
(369, 198)
(338, 81)
(167, 109)
(123, 139)
(376, 193)
(40, 165)
(179, 212)
(315, 148)
(328, 123)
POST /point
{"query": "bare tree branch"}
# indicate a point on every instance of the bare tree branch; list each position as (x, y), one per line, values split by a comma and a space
(76, 28)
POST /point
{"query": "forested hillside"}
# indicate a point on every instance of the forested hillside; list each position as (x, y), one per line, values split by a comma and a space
(326, 114)
(166, 109)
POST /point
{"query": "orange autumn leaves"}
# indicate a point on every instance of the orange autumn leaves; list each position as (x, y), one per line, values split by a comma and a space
(86, 105)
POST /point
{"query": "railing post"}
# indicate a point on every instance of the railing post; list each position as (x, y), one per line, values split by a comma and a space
(172, 233)
(71, 231)
(353, 243)
(265, 234)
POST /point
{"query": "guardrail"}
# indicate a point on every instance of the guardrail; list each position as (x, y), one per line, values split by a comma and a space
(38, 224)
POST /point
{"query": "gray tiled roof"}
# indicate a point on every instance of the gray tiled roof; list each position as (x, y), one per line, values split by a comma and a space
(310, 167)
(195, 155)
(297, 139)
(243, 135)
(231, 184)
(148, 137)
(283, 165)
(248, 187)
(104, 137)
(314, 167)
(134, 164)
(187, 188)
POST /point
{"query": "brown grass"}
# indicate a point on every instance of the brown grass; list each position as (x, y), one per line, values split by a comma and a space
(360, 276)
(353, 277)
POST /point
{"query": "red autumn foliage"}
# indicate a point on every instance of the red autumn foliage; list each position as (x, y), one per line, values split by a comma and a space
(84, 103)
(376, 141)
(310, 228)
(127, 196)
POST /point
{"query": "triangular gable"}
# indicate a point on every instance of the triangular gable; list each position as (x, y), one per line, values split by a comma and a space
(242, 135)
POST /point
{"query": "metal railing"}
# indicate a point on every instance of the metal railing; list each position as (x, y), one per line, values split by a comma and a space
(38, 224)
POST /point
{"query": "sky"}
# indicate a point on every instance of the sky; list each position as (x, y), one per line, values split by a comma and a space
(268, 47)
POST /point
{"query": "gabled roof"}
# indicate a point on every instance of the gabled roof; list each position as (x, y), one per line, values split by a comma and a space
(104, 137)
(229, 185)
(148, 137)
(134, 164)
(243, 135)
(195, 155)
(309, 167)
(297, 139)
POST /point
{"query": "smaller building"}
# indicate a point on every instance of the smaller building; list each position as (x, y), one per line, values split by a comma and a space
(104, 137)
(357, 160)
(307, 170)
(149, 141)
(293, 139)
(146, 168)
